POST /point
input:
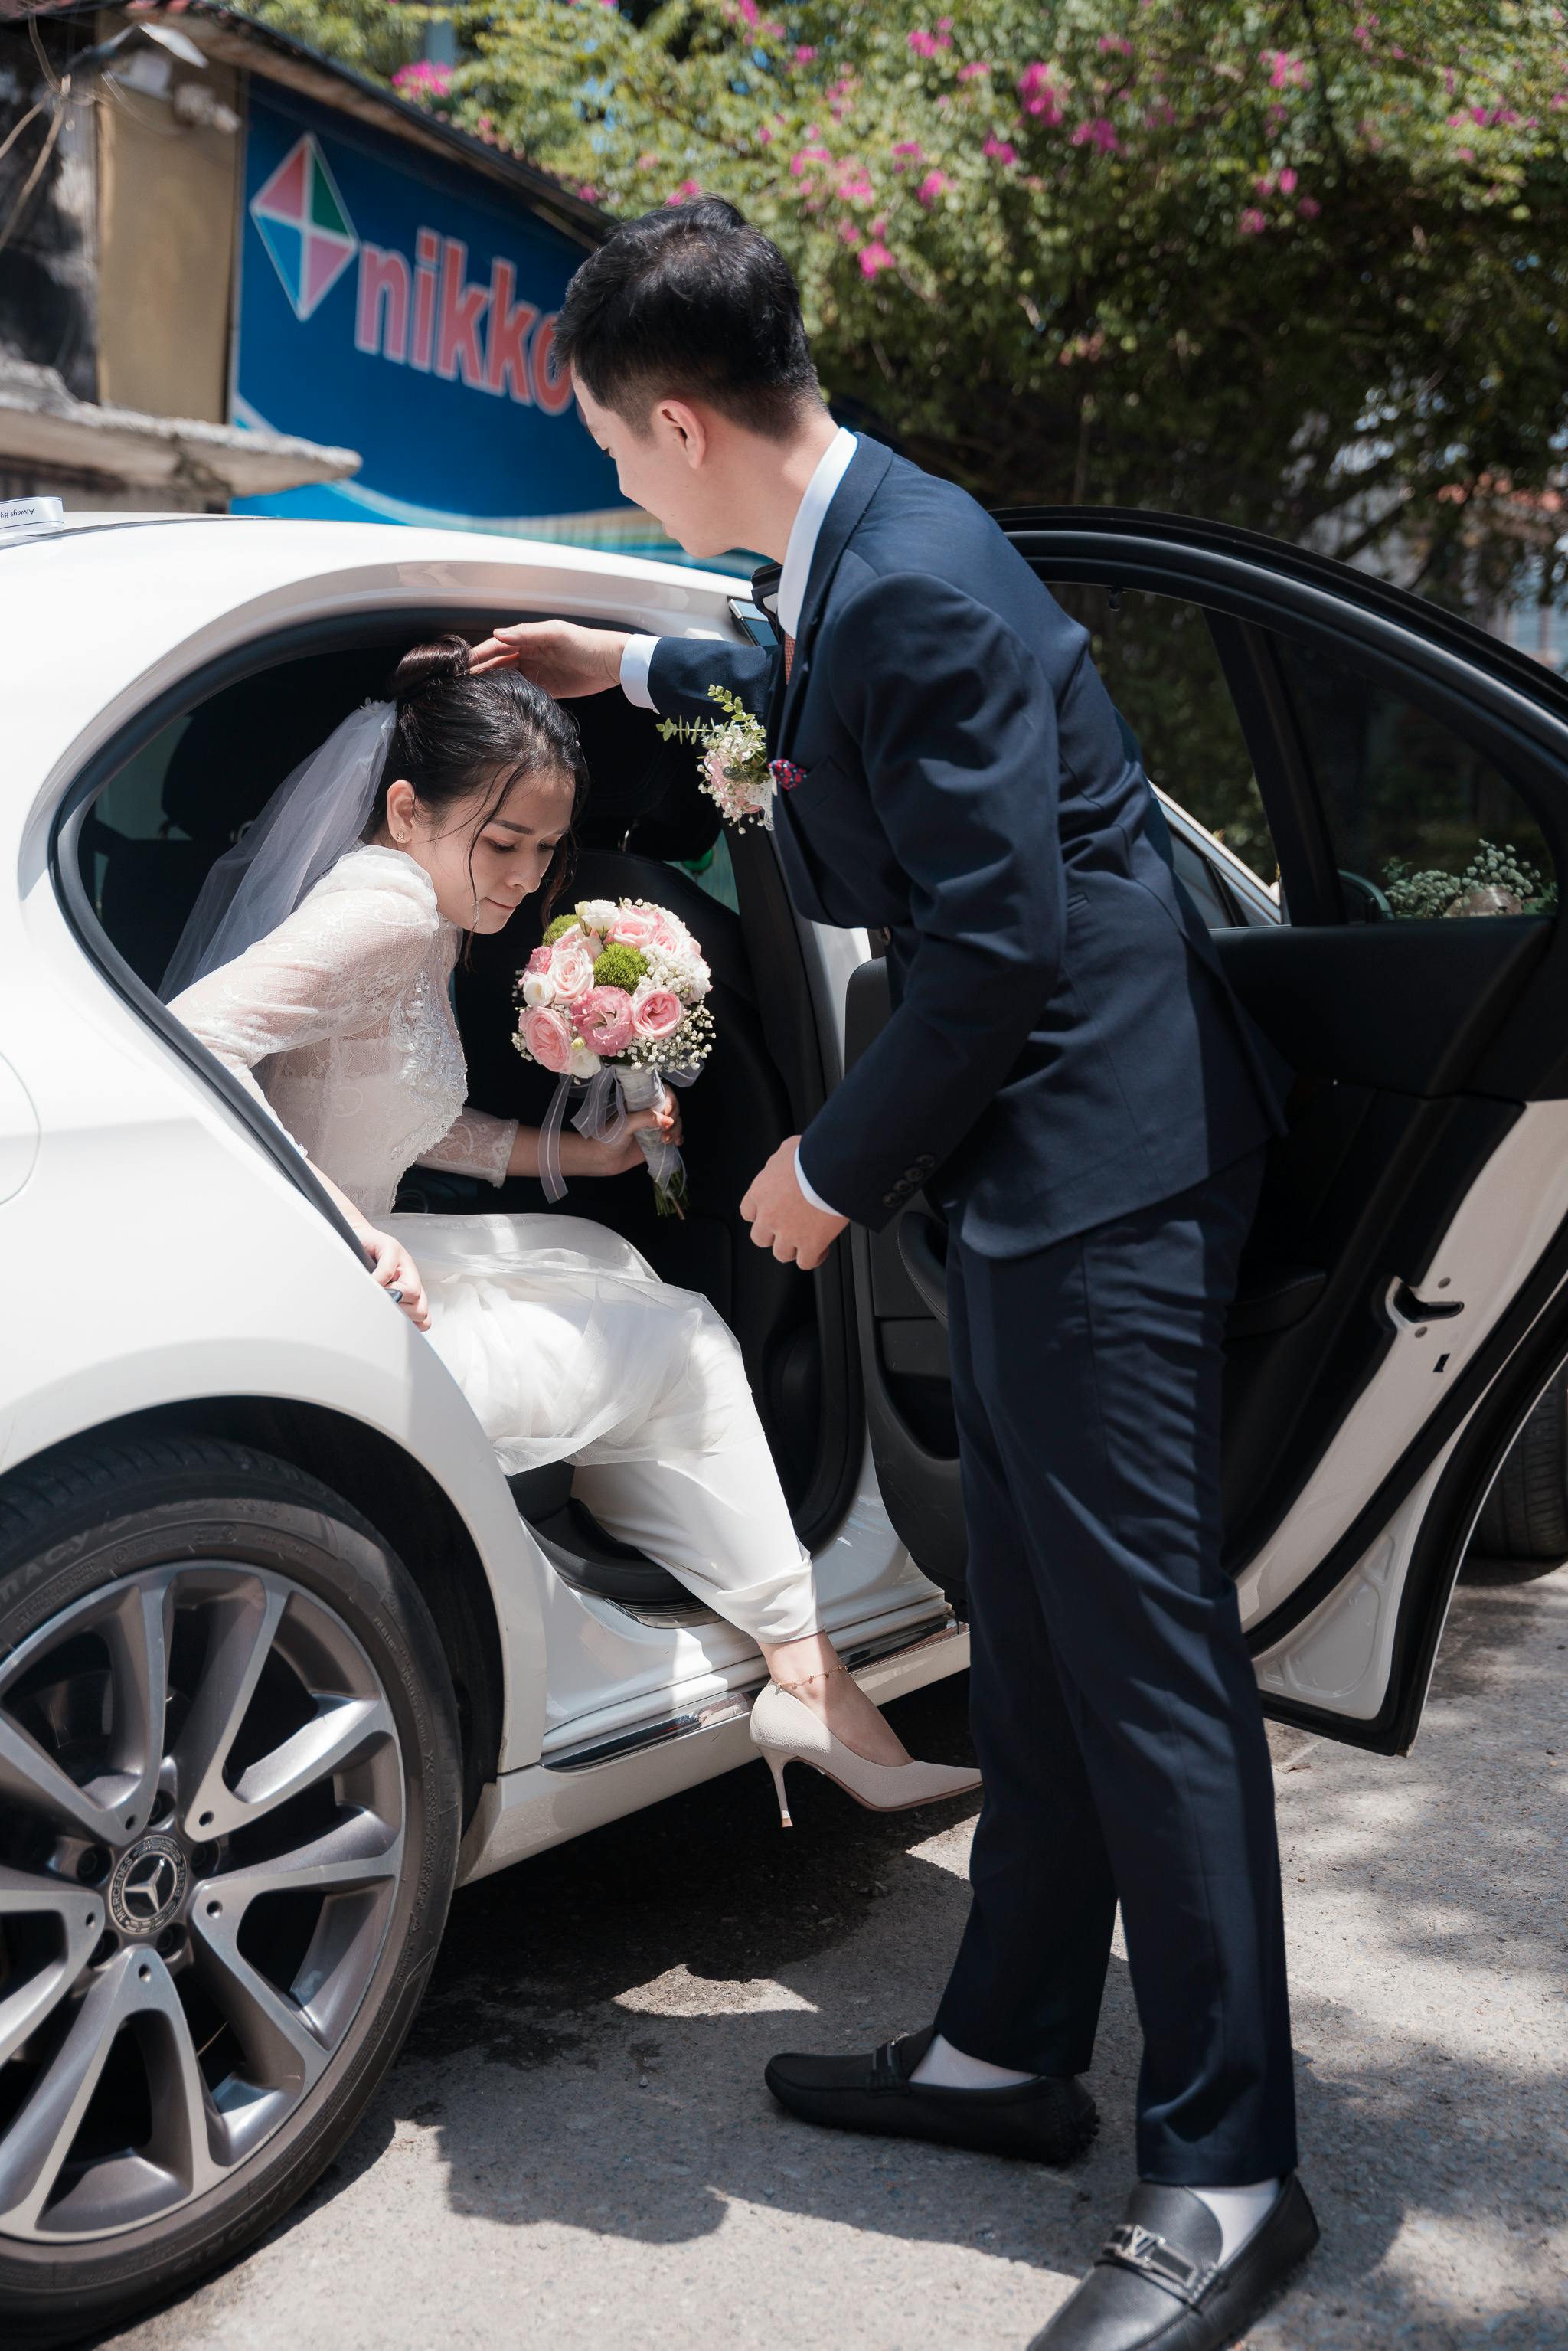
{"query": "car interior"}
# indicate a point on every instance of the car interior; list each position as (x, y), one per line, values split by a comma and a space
(152, 834)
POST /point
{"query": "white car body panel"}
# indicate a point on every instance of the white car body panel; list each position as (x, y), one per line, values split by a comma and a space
(234, 1283)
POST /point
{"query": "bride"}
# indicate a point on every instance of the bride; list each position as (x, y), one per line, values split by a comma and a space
(320, 955)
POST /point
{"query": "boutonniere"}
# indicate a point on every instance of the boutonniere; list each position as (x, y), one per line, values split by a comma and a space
(733, 765)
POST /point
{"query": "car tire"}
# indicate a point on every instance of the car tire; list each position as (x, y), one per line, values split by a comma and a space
(1522, 1529)
(185, 1624)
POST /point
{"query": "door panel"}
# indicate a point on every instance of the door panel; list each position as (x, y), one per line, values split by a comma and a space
(1409, 781)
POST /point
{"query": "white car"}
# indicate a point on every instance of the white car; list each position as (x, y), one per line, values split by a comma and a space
(283, 1656)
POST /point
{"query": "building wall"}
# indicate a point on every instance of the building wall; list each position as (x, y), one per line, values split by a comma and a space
(167, 209)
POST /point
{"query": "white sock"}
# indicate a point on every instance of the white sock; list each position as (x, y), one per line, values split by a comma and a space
(1239, 2211)
(943, 2067)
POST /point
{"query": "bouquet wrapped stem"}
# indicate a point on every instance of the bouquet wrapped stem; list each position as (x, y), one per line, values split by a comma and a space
(642, 1088)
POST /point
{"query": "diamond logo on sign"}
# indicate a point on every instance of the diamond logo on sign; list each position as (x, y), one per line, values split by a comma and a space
(301, 220)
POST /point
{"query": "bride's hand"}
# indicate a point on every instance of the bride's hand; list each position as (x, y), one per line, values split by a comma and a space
(396, 1270)
(580, 1155)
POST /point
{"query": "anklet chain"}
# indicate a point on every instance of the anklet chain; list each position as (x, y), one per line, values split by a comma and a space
(810, 1678)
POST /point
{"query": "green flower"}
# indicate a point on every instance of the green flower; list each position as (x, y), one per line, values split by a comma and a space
(619, 967)
(559, 928)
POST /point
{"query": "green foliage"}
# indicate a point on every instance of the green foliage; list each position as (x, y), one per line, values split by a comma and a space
(1304, 265)
(619, 967)
(1497, 880)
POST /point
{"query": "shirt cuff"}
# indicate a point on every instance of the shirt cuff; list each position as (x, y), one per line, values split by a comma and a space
(635, 663)
(813, 1198)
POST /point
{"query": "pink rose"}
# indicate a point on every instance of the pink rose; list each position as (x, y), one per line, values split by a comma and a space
(634, 926)
(571, 968)
(657, 1013)
(603, 1020)
(540, 960)
(548, 1039)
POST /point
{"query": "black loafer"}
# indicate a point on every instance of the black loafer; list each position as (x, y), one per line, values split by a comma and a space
(1043, 2121)
(1157, 2282)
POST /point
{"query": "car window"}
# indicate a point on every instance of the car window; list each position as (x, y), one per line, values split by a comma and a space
(713, 872)
(1161, 670)
(1197, 877)
(1421, 823)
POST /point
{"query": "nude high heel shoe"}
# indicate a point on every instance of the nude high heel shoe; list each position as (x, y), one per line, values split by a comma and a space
(787, 1732)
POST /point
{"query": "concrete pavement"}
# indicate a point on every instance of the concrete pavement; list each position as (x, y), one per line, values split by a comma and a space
(576, 2148)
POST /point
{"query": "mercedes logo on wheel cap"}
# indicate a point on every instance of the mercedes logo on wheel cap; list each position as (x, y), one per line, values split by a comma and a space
(148, 1885)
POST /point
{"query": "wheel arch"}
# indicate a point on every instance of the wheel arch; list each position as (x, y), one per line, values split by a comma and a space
(405, 1504)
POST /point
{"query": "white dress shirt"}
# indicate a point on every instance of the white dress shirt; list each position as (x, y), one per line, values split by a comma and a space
(796, 570)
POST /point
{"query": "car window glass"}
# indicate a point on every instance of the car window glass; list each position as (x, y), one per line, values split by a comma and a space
(1160, 668)
(1196, 876)
(714, 872)
(1422, 823)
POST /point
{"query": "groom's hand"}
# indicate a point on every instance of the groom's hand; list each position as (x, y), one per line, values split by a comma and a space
(561, 656)
(783, 1219)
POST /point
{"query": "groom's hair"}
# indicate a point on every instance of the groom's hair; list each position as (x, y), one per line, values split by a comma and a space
(690, 300)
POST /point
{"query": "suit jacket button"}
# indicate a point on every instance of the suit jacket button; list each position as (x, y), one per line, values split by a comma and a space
(892, 1199)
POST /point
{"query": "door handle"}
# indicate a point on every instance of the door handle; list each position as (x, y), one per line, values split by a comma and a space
(1409, 1312)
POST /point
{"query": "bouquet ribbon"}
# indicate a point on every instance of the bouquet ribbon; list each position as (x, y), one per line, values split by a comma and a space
(608, 1097)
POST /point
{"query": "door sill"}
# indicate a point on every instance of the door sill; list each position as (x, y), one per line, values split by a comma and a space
(735, 1705)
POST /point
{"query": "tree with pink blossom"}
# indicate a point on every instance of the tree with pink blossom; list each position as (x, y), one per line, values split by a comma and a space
(1294, 263)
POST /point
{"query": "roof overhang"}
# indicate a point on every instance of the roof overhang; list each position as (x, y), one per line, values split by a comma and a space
(42, 425)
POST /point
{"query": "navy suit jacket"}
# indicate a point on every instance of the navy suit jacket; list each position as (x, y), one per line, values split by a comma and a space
(1063, 1046)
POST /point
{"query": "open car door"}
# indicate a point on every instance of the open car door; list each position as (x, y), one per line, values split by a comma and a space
(1404, 1295)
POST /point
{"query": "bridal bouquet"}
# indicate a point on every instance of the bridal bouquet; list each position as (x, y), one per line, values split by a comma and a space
(732, 759)
(612, 1004)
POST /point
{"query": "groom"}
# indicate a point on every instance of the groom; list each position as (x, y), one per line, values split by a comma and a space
(1066, 1073)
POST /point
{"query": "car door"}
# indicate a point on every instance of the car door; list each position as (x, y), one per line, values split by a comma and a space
(1402, 780)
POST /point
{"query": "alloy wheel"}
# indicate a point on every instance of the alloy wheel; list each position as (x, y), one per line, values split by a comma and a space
(201, 1835)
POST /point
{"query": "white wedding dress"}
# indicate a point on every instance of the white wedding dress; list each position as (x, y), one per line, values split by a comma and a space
(560, 1336)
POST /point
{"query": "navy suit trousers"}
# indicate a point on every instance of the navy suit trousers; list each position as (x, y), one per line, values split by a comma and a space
(1115, 1713)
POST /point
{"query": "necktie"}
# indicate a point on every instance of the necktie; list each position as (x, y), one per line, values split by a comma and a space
(788, 654)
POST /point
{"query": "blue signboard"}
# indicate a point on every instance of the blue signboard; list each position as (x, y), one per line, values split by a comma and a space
(398, 306)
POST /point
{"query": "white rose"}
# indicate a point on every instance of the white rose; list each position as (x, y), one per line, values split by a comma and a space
(584, 1061)
(597, 913)
(538, 988)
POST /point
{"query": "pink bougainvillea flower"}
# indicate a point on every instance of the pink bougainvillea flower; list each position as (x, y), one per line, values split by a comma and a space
(1115, 44)
(1253, 221)
(1038, 90)
(1000, 150)
(907, 147)
(974, 69)
(1099, 134)
(1308, 208)
(931, 187)
(856, 188)
(426, 80)
(804, 53)
(687, 188)
(850, 234)
(1263, 187)
(922, 44)
(1287, 182)
(876, 256)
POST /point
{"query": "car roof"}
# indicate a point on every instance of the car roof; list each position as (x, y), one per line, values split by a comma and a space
(98, 619)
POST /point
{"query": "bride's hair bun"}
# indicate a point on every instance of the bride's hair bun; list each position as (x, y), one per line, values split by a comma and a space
(436, 663)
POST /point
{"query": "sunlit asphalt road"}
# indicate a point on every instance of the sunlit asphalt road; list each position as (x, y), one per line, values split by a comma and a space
(576, 2148)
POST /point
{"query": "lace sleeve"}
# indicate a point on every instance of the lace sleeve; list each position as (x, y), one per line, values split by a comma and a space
(335, 969)
(478, 1144)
